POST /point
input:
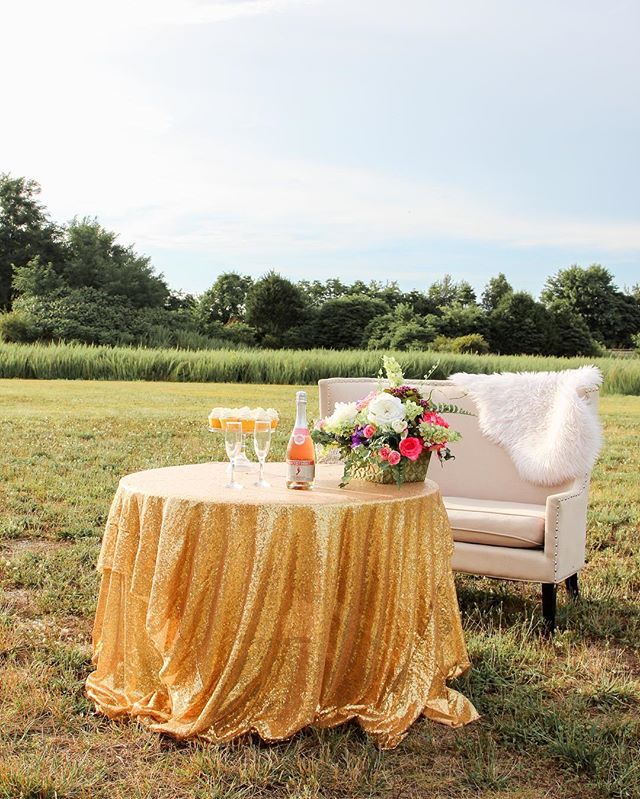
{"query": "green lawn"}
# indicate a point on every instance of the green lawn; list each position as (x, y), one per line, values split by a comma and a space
(560, 719)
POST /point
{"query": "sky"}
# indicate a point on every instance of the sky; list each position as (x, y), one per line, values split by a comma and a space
(355, 138)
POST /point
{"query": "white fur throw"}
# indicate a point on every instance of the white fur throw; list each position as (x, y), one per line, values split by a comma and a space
(542, 419)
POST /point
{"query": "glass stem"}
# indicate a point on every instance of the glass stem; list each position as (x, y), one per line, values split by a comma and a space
(261, 478)
(233, 466)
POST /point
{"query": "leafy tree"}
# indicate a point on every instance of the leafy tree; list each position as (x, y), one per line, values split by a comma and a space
(628, 315)
(37, 279)
(494, 291)
(318, 292)
(95, 260)
(224, 302)
(591, 293)
(420, 303)
(341, 323)
(180, 300)
(465, 295)
(446, 292)
(25, 232)
(457, 320)
(273, 306)
(443, 292)
(519, 326)
(400, 329)
(390, 293)
(569, 334)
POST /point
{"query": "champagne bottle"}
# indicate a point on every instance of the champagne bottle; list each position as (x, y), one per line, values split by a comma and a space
(301, 462)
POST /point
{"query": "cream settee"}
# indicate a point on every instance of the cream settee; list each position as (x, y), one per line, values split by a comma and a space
(502, 526)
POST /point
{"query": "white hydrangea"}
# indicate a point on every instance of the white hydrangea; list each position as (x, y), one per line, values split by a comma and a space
(343, 416)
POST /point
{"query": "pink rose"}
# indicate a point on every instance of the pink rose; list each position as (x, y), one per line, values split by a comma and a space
(440, 421)
(394, 458)
(369, 430)
(384, 453)
(411, 447)
(429, 417)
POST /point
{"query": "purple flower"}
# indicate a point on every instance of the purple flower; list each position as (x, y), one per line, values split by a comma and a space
(357, 438)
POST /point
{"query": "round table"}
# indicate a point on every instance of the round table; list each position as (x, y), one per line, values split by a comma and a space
(223, 612)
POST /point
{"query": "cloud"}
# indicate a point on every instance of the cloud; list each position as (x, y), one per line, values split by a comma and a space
(238, 201)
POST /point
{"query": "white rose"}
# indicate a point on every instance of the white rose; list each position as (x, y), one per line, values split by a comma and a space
(399, 425)
(343, 414)
(385, 408)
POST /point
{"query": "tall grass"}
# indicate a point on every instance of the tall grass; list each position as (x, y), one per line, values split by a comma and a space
(81, 362)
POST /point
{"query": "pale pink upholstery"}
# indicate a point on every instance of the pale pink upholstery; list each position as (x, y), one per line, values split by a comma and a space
(503, 526)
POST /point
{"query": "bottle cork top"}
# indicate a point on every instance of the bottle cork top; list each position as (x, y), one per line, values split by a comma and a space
(301, 396)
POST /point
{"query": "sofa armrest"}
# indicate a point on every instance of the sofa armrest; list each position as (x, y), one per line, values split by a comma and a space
(566, 528)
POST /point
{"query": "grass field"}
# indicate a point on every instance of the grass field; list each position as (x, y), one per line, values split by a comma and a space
(81, 362)
(560, 718)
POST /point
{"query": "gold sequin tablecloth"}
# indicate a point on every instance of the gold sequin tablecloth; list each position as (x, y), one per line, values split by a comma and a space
(222, 612)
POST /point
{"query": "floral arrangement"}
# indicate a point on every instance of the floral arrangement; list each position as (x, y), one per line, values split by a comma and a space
(389, 435)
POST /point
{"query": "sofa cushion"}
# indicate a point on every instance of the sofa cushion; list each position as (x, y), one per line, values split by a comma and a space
(502, 524)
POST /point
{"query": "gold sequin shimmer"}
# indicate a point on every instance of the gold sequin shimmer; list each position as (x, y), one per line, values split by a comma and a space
(222, 612)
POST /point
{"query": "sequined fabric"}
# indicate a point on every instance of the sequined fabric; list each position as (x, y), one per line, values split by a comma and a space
(222, 612)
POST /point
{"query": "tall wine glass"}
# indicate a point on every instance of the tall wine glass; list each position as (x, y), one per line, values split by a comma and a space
(261, 444)
(233, 445)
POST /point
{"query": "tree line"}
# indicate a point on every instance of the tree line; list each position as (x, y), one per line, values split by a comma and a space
(76, 282)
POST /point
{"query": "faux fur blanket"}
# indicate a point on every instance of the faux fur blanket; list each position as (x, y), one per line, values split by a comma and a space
(542, 419)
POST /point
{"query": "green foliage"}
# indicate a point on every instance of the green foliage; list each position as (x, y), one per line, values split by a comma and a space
(459, 320)
(53, 272)
(273, 306)
(473, 343)
(610, 316)
(295, 367)
(446, 292)
(18, 327)
(85, 315)
(25, 232)
(494, 291)
(224, 302)
(341, 323)
(569, 334)
(401, 329)
(519, 325)
(36, 279)
(94, 259)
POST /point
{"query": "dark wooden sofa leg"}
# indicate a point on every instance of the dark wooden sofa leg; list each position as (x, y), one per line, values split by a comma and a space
(572, 586)
(549, 591)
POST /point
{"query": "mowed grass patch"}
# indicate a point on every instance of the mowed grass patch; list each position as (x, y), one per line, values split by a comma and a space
(560, 718)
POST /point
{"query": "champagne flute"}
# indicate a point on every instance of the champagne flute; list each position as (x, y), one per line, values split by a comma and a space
(233, 445)
(261, 444)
